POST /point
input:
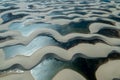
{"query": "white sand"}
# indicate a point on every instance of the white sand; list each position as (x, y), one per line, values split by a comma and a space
(105, 72)
(19, 39)
(109, 70)
(95, 27)
(98, 50)
(68, 74)
(18, 76)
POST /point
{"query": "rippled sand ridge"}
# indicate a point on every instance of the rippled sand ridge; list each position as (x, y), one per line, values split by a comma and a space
(59, 40)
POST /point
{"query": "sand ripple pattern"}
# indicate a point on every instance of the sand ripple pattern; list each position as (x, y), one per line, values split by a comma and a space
(83, 34)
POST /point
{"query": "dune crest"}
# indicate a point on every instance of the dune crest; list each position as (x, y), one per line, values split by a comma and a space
(68, 74)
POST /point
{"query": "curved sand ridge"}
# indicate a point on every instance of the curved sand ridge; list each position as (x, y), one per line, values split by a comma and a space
(109, 71)
(90, 10)
(95, 27)
(19, 39)
(68, 74)
(102, 50)
(62, 13)
(26, 75)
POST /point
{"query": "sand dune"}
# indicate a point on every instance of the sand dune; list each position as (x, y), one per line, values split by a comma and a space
(102, 50)
(100, 19)
(18, 76)
(19, 39)
(68, 74)
(109, 70)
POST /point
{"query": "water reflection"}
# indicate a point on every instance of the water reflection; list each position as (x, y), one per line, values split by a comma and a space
(27, 50)
(47, 69)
